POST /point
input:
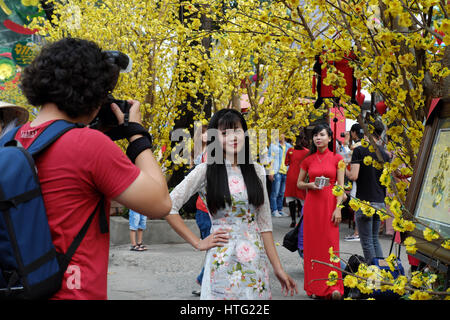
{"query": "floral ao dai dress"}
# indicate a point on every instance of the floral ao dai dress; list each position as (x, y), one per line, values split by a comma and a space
(239, 269)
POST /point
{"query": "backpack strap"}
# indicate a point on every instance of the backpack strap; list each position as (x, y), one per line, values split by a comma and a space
(64, 259)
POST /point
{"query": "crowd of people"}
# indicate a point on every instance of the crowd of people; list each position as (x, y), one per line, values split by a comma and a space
(236, 201)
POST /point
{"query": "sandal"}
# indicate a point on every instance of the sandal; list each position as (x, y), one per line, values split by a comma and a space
(143, 247)
(136, 248)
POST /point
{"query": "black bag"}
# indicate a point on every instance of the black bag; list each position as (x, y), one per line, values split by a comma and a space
(290, 240)
(352, 266)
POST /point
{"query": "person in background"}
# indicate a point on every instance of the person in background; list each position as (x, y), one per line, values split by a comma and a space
(369, 189)
(295, 196)
(356, 134)
(277, 151)
(202, 216)
(138, 223)
(11, 116)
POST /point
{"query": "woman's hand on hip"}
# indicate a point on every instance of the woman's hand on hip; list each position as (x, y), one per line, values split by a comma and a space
(217, 238)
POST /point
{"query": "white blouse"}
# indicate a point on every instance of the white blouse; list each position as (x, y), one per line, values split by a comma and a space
(195, 182)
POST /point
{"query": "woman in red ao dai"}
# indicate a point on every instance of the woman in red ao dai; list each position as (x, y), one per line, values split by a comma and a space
(321, 214)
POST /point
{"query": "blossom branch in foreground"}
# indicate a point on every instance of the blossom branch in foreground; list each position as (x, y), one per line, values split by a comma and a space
(381, 282)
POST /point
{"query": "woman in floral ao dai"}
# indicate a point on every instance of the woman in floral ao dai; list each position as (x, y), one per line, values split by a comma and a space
(241, 244)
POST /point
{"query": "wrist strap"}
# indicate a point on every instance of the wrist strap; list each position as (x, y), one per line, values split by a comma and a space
(137, 146)
(126, 131)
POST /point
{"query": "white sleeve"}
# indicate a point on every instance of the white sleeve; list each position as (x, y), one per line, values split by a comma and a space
(263, 213)
(191, 184)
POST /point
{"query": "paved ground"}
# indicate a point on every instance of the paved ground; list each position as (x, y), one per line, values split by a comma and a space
(168, 271)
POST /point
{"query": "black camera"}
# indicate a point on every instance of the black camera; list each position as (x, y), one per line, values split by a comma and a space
(105, 119)
(342, 134)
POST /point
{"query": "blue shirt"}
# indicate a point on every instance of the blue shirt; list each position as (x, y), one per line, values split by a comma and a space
(276, 155)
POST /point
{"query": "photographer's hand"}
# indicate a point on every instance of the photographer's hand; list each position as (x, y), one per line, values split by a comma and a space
(135, 112)
(135, 115)
(148, 194)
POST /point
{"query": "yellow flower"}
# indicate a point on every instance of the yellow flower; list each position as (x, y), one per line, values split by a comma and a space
(399, 285)
(364, 143)
(385, 178)
(293, 3)
(337, 190)
(399, 224)
(395, 208)
(416, 279)
(350, 281)
(446, 244)
(332, 278)
(196, 23)
(420, 295)
(429, 280)
(410, 241)
(409, 225)
(382, 214)
(406, 59)
(341, 165)
(448, 296)
(355, 204)
(377, 165)
(430, 234)
(333, 258)
(367, 160)
(368, 210)
(404, 20)
(391, 261)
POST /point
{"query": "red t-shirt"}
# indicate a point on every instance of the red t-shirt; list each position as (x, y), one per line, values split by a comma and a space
(74, 172)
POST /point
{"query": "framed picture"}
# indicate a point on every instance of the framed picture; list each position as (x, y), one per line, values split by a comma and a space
(428, 196)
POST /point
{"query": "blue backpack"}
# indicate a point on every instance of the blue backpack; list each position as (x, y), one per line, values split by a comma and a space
(30, 266)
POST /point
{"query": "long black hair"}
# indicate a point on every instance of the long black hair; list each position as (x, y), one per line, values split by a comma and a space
(300, 141)
(217, 190)
(315, 131)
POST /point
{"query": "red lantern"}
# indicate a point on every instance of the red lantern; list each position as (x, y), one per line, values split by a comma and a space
(360, 98)
(381, 107)
(325, 91)
(439, 41)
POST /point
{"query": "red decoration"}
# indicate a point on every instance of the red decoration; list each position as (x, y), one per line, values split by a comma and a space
(344, 67)
(314, 84)
(381, 107)
(326, 92)
(360, 98)
(17, 28)
(6, 54)
(439, 41)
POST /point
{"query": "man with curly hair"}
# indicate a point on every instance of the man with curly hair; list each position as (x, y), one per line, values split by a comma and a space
(70, 79)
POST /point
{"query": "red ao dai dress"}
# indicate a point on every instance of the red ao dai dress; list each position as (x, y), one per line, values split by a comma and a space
(319, 232)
